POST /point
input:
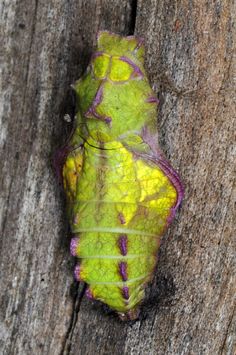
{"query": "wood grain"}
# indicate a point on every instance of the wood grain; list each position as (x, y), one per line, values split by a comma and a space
(190, 307)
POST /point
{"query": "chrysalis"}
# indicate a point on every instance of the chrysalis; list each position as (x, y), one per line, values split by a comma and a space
(121, 192)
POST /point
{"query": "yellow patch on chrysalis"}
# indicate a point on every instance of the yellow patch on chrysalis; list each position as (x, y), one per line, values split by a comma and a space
(120, 70)
(158, 193)
(70, 173)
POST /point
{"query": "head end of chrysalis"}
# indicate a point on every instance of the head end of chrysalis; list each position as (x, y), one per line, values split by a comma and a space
(114, 44)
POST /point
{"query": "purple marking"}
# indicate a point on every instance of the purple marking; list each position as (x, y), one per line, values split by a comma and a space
(140, 42)
(92, 113)
(158, 158)
(125, 292)
(92, 110)
(175, 180)
(123, 270)
(96, 102)
(121, 218)
(122, 242)
(137, 71)
(99, 96)
(108, 120)
(89, 294)
(97, 54)
(73, 246)
(152, 99)
(77, 273)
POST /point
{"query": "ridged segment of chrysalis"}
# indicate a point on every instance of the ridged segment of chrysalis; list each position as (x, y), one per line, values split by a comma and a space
(121, 192)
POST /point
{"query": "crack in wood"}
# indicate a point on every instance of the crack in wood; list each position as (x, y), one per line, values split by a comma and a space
(77, 300)
(133, 16)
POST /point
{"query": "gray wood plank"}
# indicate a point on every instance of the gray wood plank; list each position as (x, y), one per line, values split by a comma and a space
(190, 305)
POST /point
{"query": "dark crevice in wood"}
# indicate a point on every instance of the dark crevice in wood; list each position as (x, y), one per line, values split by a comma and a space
(66, 347)
(133, 16)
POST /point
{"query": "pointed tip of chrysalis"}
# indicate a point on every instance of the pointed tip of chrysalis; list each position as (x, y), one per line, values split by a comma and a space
(131, 315)
(117, 44)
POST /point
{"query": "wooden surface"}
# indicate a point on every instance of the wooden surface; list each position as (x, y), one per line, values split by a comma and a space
(190, 308)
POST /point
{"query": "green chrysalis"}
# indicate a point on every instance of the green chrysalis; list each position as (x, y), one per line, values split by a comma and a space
(121, 192)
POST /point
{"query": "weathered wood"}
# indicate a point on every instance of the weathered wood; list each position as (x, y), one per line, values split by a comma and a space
(191, 307)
